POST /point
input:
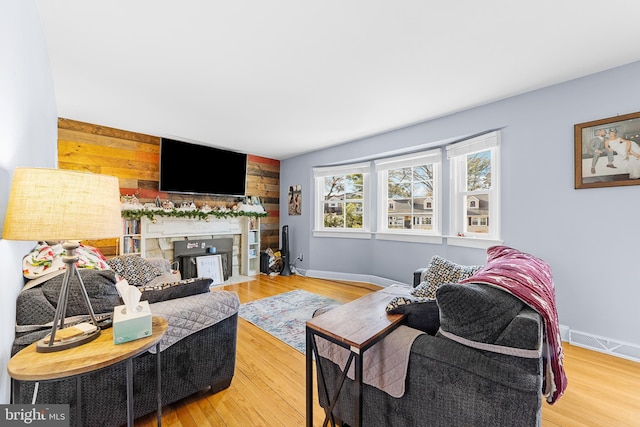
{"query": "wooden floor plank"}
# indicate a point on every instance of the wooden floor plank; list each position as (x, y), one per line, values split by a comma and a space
(268, 388)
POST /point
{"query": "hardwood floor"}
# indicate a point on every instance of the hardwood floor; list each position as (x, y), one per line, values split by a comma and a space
(268, 388)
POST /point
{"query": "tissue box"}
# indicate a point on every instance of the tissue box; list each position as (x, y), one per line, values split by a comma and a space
(131, 326)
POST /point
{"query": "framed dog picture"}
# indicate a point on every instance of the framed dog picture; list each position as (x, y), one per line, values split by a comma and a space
(607, 152)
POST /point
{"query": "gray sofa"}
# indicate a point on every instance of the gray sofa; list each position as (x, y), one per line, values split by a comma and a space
(450, 384)
(198, 351)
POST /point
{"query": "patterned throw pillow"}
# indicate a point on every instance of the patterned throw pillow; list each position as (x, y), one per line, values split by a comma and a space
(441, 271)
(46, 259)
(137, 270)
(172, 290)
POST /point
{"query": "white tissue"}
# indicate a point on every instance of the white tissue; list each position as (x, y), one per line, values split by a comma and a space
(130, 295)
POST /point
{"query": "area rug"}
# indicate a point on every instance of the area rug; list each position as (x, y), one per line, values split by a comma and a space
(284, 315)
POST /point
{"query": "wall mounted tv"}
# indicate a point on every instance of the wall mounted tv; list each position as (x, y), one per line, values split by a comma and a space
(199, 169)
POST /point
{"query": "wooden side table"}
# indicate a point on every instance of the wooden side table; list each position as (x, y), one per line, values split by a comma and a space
(356, 326)
(30, 365)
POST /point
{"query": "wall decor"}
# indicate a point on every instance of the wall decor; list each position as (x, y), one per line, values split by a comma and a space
(210, 266)
(295, 200)
(607, 152)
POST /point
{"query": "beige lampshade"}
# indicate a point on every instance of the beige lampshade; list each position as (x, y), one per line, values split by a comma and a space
(55, 204)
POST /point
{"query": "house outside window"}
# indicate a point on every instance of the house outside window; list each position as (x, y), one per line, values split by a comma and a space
(408, 195)
(475, 189)
(342, 194)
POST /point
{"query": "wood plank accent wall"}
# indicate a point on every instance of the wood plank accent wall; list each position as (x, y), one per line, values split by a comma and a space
(134, 159)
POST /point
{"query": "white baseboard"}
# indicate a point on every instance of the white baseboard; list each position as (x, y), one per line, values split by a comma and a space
(350, 277)
(564, 333)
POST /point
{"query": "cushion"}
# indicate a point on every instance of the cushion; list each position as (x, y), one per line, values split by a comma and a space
(100, 286)
(172, 290)
(422, 313)
(476, 311)
(137, 270)
(442, 271)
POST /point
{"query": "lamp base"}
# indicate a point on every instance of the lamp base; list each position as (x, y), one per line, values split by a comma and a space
(43, 345)
(67, 338)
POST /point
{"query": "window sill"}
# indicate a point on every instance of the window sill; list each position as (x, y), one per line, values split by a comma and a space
(419, 238)
(345, 234)
(472, 242)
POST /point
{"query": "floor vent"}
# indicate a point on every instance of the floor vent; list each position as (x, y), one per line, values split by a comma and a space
(605, 345)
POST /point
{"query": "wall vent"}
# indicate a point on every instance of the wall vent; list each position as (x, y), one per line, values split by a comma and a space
(605, 345)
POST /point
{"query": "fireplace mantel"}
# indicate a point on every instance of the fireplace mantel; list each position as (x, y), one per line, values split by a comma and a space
(185, 227)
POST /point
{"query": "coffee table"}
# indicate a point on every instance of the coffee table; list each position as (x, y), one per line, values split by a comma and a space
(356, 326)
(30, 365)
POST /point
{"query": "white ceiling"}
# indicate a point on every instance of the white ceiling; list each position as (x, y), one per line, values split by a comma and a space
(277, 78)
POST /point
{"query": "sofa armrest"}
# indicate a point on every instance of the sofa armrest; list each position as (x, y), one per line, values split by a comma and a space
(417, 276)
(190, 314)
(525, 331)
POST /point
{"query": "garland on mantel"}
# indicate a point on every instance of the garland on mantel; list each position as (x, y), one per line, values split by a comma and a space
(192, 214)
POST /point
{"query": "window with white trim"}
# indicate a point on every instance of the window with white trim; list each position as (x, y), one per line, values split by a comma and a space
(342, 198)
(475, 186)
(409, 193)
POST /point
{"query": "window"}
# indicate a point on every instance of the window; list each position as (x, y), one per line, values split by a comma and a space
(408, 195)
(342, 195)
(475, 195)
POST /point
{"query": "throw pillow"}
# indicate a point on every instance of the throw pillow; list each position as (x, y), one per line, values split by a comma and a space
(137, 270)
(476, 311)
(442, 271)
(172, 290)
(422, 313)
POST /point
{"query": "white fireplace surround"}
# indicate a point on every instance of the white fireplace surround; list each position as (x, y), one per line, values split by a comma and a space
(157, 235)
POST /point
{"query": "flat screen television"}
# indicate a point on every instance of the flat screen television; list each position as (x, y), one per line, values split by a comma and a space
(199, 169)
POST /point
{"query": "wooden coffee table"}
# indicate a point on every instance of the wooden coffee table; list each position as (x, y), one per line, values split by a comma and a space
(30, 365)
(356, 326)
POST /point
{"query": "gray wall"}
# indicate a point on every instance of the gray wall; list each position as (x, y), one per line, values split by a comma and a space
(589, 237)
(28, 137)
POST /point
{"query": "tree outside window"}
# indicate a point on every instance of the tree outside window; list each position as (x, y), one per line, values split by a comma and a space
(343, 201)
(410, 191)
(478, 182)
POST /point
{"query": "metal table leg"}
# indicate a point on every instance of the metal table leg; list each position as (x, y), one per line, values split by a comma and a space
(129, 392)
(358, 387)
(15, 391)
(159, 385)
(309, 378)
(79, 400)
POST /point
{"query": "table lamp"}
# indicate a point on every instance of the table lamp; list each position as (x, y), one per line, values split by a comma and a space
(55, 205)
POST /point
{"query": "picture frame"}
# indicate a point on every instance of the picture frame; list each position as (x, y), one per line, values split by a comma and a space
(295, 200)
(607, 152)
(210, 266)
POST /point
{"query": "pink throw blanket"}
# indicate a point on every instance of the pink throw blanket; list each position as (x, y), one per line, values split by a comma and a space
(529, 278)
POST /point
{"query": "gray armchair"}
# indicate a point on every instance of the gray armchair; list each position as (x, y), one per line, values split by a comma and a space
(451, 384)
